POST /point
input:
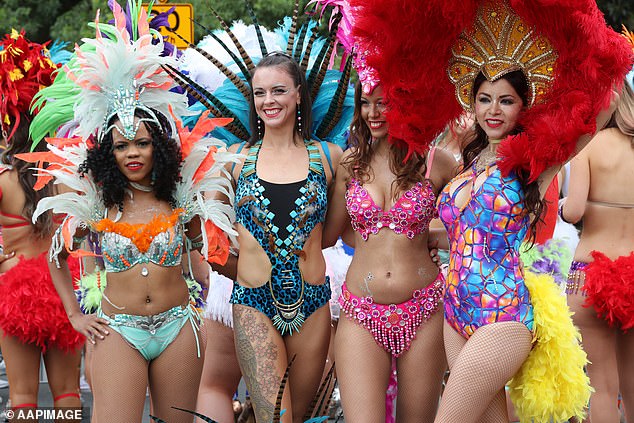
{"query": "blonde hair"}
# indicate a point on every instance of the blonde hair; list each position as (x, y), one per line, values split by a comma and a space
(624, 113)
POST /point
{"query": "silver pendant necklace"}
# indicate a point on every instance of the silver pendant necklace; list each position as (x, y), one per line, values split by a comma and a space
(144, 188)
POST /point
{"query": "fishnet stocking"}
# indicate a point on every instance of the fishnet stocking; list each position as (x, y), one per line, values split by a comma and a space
(363, 372)
(420, 372)
(175, 376)
(119, 376)
(480, 367)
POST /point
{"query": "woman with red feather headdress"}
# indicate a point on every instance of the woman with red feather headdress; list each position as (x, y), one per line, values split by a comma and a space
(391, 298)
(600, 286)
(32, 319)
(539, 76)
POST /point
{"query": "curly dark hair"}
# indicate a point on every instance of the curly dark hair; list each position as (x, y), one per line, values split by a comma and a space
(408, 172)
(101, 163)
(290, 66)
(21, 143)
(534, 205)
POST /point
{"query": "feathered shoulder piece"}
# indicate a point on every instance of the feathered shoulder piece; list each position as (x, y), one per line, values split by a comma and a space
(119, 71)
(569, 85)
(25, 68)
(203, 170)
(81, 202)
(218, 72)
(113, 74)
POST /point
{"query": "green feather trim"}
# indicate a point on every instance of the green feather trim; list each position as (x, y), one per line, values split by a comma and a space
(91, 287)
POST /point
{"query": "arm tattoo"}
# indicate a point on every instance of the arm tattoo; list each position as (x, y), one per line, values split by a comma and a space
(258, 356)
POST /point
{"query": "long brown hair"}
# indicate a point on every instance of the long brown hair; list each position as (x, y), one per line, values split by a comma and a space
(21, 143)
(624, 114)
(534, 205)
(286, 64)
(408, 172)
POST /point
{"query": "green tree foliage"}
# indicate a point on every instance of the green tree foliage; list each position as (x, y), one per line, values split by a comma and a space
(72, 24)
(268, 12)
(67, 19)
(618, 12)
(34, 16)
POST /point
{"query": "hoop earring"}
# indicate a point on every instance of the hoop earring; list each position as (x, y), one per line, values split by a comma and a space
(299, 120)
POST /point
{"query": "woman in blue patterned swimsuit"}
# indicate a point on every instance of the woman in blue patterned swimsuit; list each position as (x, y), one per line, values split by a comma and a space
(281, 295)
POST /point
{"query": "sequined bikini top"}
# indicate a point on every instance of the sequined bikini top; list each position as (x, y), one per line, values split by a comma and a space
(410, 215)
(125, 245)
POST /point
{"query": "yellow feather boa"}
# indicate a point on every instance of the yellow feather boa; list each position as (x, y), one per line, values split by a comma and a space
(551, 384)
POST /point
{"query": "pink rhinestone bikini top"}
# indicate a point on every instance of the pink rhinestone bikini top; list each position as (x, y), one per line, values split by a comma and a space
(410, 215)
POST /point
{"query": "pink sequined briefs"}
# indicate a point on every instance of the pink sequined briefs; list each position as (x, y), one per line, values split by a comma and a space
(393, 326)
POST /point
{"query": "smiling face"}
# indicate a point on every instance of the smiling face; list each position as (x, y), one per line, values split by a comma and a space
(497, 108)
(275, 96)
(372, 112)
(134, 157)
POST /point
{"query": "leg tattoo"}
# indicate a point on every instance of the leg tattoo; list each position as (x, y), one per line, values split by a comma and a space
(258, 356)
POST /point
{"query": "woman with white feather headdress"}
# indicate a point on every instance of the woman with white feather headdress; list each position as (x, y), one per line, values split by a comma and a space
(137, 181)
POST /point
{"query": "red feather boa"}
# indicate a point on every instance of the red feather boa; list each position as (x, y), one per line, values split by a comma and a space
(609, 286)
(30, 308)
(413, 41)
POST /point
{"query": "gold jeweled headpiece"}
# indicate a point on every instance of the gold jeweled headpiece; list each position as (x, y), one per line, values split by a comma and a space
(498, 43)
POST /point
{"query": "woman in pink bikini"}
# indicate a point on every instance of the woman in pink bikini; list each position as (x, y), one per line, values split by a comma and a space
(392, 287)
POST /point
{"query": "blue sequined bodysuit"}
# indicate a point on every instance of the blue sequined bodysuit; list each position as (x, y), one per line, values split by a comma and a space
(286, 298)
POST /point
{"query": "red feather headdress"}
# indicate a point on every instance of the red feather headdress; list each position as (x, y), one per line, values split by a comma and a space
(413, 43)
(25, 68)
(629, 36)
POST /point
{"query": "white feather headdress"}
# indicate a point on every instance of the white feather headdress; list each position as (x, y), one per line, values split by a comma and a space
(118, 73)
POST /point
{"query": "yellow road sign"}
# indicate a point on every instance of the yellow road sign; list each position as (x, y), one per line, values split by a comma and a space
(180, 21)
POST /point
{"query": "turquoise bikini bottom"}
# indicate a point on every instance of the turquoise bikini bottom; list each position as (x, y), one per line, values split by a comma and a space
(151, 335)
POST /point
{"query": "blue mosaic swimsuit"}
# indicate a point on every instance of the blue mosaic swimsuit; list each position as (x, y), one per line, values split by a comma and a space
(286, 298)
(485, 281)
